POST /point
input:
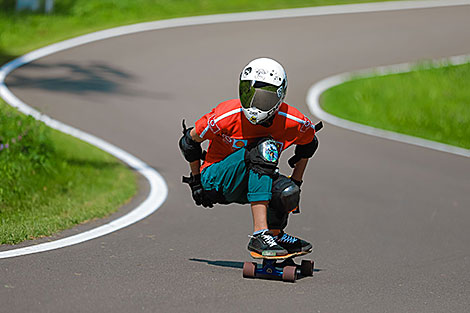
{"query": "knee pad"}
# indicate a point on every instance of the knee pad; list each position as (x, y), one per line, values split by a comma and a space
(263, 157)
(285, 195)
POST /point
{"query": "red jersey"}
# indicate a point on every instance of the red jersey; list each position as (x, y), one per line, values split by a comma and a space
(228, 129)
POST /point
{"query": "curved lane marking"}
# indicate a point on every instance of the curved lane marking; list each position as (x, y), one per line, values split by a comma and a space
(157, 195)
(315, 92)
(158, 188)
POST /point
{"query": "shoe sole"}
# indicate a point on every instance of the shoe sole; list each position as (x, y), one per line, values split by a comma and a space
(256, 255)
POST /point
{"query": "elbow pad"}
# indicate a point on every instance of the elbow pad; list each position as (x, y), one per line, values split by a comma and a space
(304, 152)
(307, 151)
(191, 149)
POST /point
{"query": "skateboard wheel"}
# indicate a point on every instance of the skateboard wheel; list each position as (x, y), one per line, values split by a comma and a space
(249, 269)
(289, 274)
(306, 268)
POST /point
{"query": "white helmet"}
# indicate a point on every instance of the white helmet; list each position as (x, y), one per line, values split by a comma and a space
(262, 88)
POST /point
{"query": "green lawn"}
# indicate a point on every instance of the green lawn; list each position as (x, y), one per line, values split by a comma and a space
(51, 181)
(432, 103)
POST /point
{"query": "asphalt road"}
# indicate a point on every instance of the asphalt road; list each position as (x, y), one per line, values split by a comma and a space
(389, 221)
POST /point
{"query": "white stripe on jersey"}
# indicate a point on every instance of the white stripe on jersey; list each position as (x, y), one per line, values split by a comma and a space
(292, 117)
(234, 111)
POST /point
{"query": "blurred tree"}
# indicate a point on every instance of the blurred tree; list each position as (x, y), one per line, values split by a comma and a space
(7, 5)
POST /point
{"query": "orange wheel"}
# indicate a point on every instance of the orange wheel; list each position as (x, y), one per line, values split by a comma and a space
(249, 269)
(306, 268)
(289, 274)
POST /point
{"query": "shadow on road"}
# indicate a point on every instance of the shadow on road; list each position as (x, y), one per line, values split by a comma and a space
(68, 77)
(79, 79)
(232, 264)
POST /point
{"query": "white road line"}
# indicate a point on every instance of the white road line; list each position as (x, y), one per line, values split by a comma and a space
(159, 190)
(313, 102)
(156, 197)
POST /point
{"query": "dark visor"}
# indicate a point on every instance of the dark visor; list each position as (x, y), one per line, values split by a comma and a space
(258, 95)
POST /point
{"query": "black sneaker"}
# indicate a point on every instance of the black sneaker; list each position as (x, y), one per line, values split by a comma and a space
(293, 244)
(265, 244)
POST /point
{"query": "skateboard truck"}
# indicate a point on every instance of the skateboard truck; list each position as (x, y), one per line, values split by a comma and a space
(279, 267)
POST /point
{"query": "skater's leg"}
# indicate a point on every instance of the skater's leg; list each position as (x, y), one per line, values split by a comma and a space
(258, 210)
(262, 241)
(285, 199)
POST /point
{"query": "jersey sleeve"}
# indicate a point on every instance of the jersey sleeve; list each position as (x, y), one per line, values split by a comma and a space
(206, 128)
(306, 132)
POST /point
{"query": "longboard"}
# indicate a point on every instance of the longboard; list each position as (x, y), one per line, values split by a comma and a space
(282, 267)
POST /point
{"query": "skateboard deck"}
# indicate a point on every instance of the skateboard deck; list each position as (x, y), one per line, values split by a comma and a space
(281, 257)
(282, 267)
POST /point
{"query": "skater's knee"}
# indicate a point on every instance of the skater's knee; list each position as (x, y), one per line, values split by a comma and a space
(285, 195)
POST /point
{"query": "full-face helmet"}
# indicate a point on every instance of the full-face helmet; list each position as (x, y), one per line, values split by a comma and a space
(262, 88)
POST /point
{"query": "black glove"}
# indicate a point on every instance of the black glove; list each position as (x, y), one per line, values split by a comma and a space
(199, 196)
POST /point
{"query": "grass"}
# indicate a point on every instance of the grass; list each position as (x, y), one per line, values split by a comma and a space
(430, 102)
(51, 181)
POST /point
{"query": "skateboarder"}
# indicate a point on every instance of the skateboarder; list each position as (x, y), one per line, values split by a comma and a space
(246, 137)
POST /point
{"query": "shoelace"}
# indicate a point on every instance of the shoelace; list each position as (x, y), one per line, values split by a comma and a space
(269, 240)
(288, 238)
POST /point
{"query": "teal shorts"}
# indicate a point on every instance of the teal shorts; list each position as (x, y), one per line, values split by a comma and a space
(231, 178)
